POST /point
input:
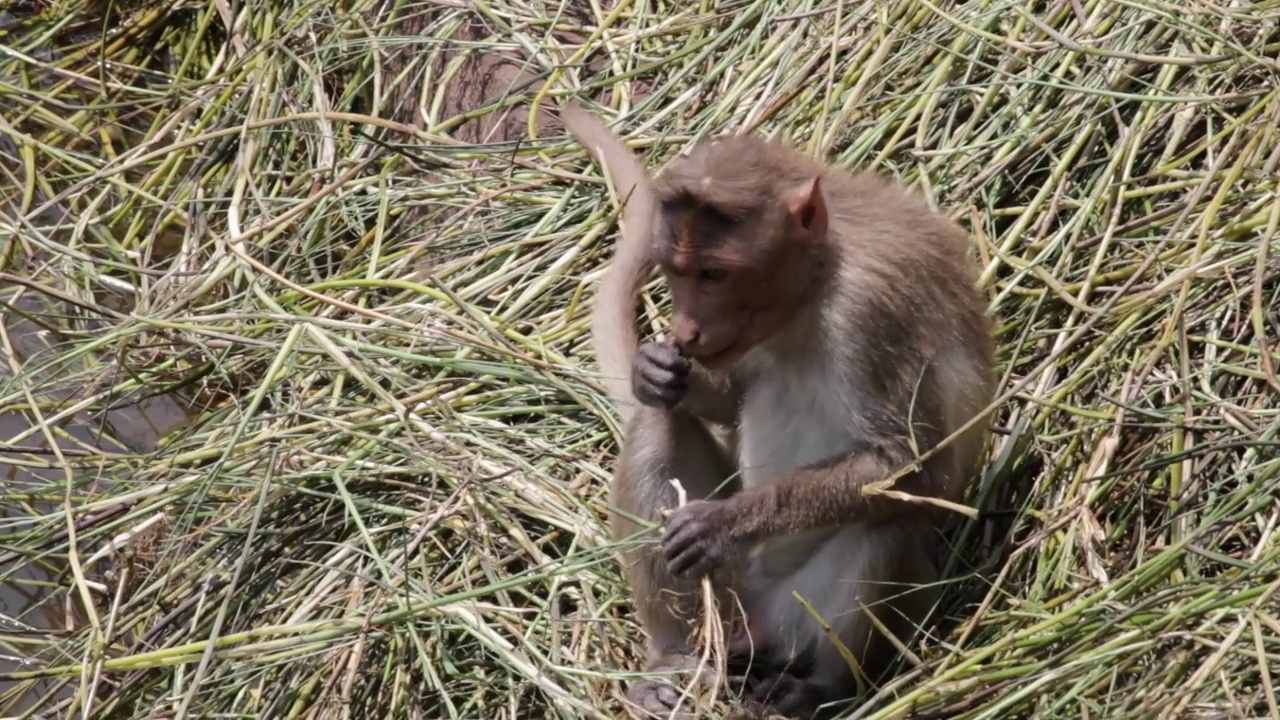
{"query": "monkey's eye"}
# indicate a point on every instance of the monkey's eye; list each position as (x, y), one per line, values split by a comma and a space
(712, 275)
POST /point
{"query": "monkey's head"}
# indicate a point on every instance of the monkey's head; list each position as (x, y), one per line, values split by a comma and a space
(740, 220)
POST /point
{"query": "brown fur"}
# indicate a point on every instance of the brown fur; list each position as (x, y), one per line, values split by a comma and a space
(842, 316)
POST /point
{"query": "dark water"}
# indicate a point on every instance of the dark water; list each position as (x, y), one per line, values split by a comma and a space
(34, 603)
(36, 606)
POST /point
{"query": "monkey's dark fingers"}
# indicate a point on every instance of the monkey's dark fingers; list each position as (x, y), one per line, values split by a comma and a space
(801, 664)
(676, 547)
(759, 659)
(658, 376)
(666, 356)
(789, 695)
(745, 655)
(657, 385)
(652, 396)
(692, 563)
(687, 551)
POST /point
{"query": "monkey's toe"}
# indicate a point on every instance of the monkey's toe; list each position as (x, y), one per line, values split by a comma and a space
(657, 699)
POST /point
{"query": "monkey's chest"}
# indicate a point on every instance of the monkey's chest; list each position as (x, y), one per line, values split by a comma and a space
(788, 423)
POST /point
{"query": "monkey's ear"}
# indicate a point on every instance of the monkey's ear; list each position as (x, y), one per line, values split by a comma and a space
(807, 212)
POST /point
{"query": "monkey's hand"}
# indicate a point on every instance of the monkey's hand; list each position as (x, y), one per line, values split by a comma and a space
(787, 694)
(659, 375)
(697, 539)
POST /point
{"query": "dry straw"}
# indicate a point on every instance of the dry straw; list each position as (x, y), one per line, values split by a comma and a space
(390, 502)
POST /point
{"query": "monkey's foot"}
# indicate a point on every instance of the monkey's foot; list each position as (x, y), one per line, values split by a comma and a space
(789, 695)
(659, 699)
(670, 699)
(745, 656)
(740, 653)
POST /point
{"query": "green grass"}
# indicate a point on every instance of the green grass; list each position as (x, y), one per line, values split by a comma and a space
(390, 499)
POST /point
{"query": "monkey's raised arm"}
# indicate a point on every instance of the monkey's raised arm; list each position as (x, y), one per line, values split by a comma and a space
(831, 493)
(827, 493)
(815, 496)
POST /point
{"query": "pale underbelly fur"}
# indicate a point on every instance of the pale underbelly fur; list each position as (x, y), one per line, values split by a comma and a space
(832, 569)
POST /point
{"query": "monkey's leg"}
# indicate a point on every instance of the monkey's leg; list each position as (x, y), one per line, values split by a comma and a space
(662, 446)
(882, 569)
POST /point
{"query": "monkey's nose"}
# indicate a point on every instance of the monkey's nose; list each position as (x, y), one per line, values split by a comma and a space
(687, 334)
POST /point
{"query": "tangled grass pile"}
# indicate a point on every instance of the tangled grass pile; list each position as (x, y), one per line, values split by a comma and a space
(352, 238)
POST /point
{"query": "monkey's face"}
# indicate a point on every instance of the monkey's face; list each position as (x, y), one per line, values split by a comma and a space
(738, 264)
(707, 322)
(725, 302)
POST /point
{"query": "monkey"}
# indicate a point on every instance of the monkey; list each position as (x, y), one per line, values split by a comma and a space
(834, 321)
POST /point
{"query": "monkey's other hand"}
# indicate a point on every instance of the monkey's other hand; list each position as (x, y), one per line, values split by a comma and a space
(659, 375)
(787, 694)
(696, 540)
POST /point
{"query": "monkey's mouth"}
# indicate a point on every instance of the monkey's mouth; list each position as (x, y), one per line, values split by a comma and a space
(717, 360)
